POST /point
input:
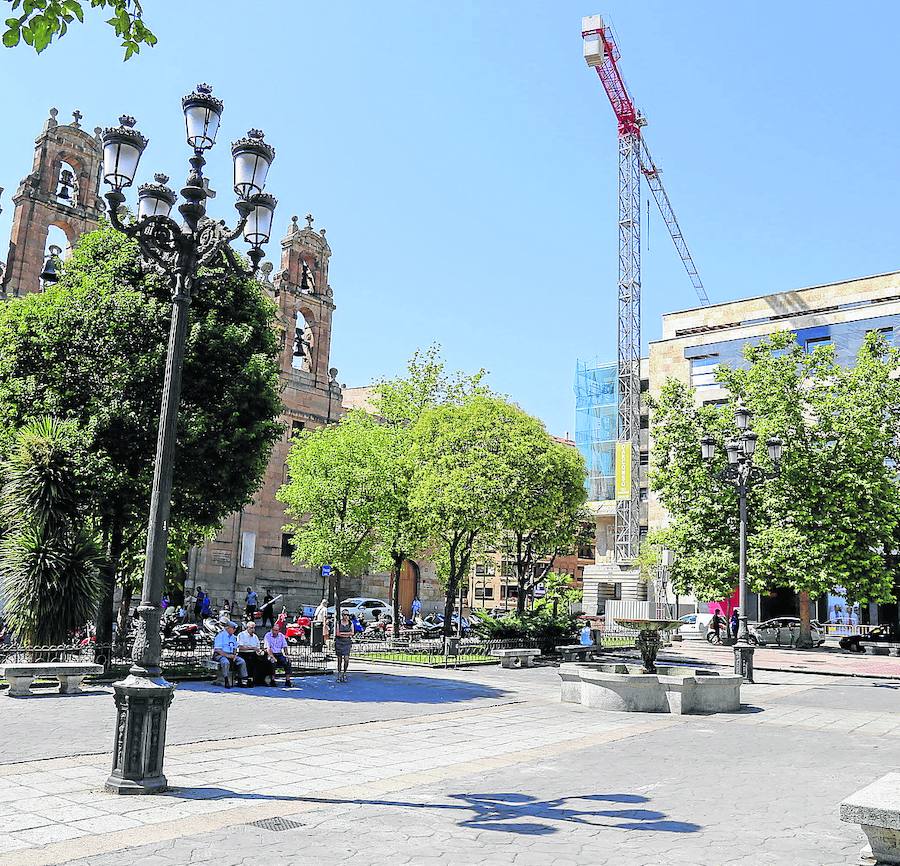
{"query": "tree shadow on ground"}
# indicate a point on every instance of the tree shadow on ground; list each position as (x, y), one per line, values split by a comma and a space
(363, 688)
(521, 814)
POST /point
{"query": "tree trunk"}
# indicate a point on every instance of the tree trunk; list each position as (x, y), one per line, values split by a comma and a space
(395, 597)
(108, 571)
(123, 620)
(450, 603)
(804, 641)
(520, 595)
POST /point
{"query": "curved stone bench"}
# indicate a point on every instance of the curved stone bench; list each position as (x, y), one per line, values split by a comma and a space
(621, 687)
(69, 674)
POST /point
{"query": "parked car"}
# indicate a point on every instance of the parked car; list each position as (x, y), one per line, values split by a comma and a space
(368, 607)
(783, 631)
(694, 625)
(879, 634)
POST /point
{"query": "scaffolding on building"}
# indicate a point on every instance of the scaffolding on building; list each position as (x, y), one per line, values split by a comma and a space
(596, 425)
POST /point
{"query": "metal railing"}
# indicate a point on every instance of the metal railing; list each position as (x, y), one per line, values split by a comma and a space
(438, 652)
(177, 662)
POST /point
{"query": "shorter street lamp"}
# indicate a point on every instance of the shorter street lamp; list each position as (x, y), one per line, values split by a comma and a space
(177, 251)
(740, 473)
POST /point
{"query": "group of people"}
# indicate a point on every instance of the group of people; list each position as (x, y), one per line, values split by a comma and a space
(718, 621)
(254, 661)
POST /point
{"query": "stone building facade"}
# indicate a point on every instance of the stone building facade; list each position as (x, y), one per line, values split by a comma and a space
(251, 548)
(61, 192)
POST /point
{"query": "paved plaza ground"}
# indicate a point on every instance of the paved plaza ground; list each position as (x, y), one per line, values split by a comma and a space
(438, 767)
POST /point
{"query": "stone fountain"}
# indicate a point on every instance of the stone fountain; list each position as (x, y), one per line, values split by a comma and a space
(650, 688)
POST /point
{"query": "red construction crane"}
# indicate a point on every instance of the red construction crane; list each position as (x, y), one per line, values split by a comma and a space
(601, 52)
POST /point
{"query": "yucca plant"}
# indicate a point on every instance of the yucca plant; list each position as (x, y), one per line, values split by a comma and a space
(48, 557)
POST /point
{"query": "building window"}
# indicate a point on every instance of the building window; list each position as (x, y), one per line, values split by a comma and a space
(703, 370)
(887, 333)
(586, 551)
(483, 570)
(645, 494)
(645, 458)
(287, 545)
(645, 422)
(645, 385)
(248, 549)
(721, 402)
(507, 568)
(297, 427)
(484, 592)
(617, 591)
(814, 342)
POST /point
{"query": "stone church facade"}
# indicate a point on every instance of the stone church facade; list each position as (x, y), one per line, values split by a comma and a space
(59, 200)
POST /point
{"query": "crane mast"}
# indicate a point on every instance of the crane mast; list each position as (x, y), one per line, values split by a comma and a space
(601, 53)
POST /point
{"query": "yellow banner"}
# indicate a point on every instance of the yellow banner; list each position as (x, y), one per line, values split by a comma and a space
(623, 470)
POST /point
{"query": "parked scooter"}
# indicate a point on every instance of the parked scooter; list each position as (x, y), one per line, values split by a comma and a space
(177, 635)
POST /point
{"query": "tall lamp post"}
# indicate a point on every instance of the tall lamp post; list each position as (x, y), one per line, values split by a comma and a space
(177, 251)
(741, 473)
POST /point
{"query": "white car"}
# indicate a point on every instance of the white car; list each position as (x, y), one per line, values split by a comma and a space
(694, 625)
(784, 630)
(367, 607)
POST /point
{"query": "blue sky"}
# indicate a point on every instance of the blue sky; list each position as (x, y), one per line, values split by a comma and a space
(463, 158)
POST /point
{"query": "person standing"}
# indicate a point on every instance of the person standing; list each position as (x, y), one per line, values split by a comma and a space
(735, 622)
(716, 623)
(267, 609)
(416, 607)
(275, 651)
(321, 615)
(343, 643)
(226, 654)
(250, 602)
(198, 604)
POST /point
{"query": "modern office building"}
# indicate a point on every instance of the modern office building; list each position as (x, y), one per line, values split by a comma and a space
(692, 345)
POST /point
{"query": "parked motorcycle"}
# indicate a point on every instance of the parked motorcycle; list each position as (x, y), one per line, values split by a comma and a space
(177, 635)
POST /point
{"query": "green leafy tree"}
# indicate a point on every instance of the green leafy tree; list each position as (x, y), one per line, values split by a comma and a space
(48, 556)
(465, 471)
(92, 349)
(826, 519)
(338, 480)
(399, 403)
(543, 514)
(38, 22)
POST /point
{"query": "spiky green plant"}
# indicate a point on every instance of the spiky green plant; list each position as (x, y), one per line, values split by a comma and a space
(48, 558)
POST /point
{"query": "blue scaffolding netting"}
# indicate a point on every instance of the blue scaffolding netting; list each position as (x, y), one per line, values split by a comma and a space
(596, 425)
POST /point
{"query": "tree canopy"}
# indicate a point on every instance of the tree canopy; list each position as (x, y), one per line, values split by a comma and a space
(38, 22)
(827, 518)
(91, 350)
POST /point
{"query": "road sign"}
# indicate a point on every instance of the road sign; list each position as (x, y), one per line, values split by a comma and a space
(326, 571)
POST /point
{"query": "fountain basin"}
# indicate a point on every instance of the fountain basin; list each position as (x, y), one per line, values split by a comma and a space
(623, 687)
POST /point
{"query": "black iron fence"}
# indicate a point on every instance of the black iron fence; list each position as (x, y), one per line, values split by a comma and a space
(442, 652)
(177, 662)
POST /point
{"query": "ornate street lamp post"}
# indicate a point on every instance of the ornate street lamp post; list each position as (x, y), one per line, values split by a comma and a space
(740, 473)
(176, 251)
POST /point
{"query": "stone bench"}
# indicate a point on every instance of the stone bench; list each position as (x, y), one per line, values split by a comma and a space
(880, 648)
(69, 674)
(577, 652)
(516, 658)
(876, 809)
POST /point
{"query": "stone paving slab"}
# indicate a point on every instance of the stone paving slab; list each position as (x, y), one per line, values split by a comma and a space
(694, 792)
(510, 778)
(825, 660)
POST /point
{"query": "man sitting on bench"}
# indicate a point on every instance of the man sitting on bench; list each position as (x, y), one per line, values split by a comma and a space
(226, 654)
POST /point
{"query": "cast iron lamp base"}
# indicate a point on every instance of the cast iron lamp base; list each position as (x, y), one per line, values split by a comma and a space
(142, 706)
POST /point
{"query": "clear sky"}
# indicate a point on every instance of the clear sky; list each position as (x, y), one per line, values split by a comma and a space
(463, 158)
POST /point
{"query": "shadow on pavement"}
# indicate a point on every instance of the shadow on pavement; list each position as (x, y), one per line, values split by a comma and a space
(362, 688)
(521, 814)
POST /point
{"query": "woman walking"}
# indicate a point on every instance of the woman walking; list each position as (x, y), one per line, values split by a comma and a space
(343, 642)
